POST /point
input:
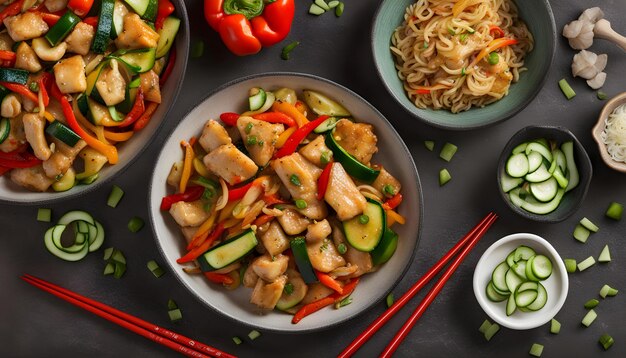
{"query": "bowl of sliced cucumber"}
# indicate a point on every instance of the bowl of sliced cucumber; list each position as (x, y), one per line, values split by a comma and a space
(544, 173)
(521, 281)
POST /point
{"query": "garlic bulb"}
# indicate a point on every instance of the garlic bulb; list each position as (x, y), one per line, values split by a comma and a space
(580, 32)
(587, 64)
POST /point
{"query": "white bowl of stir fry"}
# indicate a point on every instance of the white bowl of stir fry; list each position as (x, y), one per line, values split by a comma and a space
(286, 202)
(84, 87)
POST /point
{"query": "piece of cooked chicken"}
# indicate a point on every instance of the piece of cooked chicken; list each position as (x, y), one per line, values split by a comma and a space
(343, 195)
(25, 26)
(269, 268)
(266, 295)
(358, 139)
(259, 137)
(213, 136)
(315, 151)
(274, 239)
(189, 213)
(33, 178)
(293, 222)
(231, 164)
(79, 40)
(136, 34)
(70, 74)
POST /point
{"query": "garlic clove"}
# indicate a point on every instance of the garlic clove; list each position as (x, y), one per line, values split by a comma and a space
(601, 62)
(597, 81)
(572, 29)
(592, 15)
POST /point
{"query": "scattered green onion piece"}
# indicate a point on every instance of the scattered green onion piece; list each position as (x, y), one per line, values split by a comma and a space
(175, 315)
(483, 327)
(248, 128)
(389, 190)
(606, 341)
(389, 300)
(197, 49)
(120, 269)
(491, 331)
(135, 224)
(251, 140)
(448, 151)
(615, 211)
(171, 304)
(118, 256)
(592, 303)
(364, 219)
(536, 349)
(429, 144)
(493, 58)
(115, 196)
(463, 73)
(109, 268)
(301, 204)
(254, 334)
(295, 180)
(154, 267)
(322, 4)
(425, 45)
(581, 233)
(555, 326)
(342, 248)
(34, 86)
(601, 95)
(586, 263)
(570, 265)
(44, 215)
(316, 10)
(451, 31)
(346, 301)
(605, 254)
(108, 252)
(589, 225)
(589, 318)
(286, 51)
(288, 288)
(444, 177)
(325, 157)
(607, 290)
(237, 340)
(463, 37)
(333, 4)
(339, 9)
(566, 89)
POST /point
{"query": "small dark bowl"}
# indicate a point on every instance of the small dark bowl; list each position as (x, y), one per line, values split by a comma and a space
(571, 200)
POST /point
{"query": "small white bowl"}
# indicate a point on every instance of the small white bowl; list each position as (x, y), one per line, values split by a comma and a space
(556, 285)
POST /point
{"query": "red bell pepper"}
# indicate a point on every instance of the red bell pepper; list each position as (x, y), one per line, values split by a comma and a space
(275, 117)
(169, 68)
(49, 18)
(91, 21)
(262, 220)
(165, 9)
(202, 248)
(138, 108)
(11, 10)
(393, 202)
(245, 26)
(326, 301)
(192, 193)
(15, 159)
(322, 182)
(80, 7)
(42, 89)
(20, 89)
(497, 31)
(145, 117)
(222, 278)
(7, 55)
(3, 170)
(229, 118)
(273, 199)
(238, 193)
(296, 137)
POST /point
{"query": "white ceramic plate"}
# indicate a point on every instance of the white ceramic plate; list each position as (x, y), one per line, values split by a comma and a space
(556, 285)
(392, 153)
(129, 151)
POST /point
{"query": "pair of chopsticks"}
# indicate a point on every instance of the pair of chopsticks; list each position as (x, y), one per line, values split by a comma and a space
(465, 245)
(172, 340)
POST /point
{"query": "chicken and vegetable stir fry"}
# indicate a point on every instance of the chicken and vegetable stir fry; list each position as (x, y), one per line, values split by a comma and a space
(284, 199)
(77, 79)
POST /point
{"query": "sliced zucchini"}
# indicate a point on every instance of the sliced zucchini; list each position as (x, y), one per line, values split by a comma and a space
(136, 60)
(118, 19)
(298, 290)
(13, 75)
(257, 98)
(298, 248)
(517, 165)
(323, 105)
(66, 182)
(63, 133)
(103, 29)
(147, 9)
(544, 191)
(96, 113)
(167, 34)
(539, 175)
(508, 183)
(365, 237)
(385, 248)
(352, 166)
(62, 28)
(5, 129)
(540, 148)
(327, 125)
(544, 208)
(228, 251)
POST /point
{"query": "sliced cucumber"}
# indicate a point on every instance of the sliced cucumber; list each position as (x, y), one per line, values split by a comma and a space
(498, 277)
(523, 253)
(540, 148)
(529, 272)
(559, 157)
(167, 34)
(147, 9)
(228, 252)
(539, 175)
(520, 148)
(544, 208)
(493, 295)
(541, 267)
(327, 125)
(365, 237)
(589, 225)
(257, 99)
(541, 300)
(509, 183)
(60, 253)
(534, 161)
(514, 195)
(98, 240)
(520, 269)
(292, 298)
(385, 248)
(66, 182)
(76, 215)
(560, 178)
(525, 298)
(572, 170)
(544, 191)
(510, 305)
(323, 105)
(512, 280)
(517, 165)
(581, 233)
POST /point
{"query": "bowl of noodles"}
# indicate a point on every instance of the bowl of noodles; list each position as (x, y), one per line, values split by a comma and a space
(610, 133)
(463, 64)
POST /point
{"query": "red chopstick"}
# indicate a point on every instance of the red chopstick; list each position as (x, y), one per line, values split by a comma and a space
(172, 340)
(465, 244)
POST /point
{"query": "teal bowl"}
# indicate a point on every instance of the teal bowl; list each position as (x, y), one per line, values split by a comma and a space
(540, 21)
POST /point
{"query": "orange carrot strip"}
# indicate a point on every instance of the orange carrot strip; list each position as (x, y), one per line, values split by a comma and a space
(290, 110)
(329, 282)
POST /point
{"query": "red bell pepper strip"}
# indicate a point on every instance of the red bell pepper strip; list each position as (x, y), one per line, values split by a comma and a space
(44, 92)
(48, 18)
(91, 21)
(108, 150)
(294, 139)
(20, 89)
(11, 10)
(393, 202)
(322, 182)
(262, 220)
(199, 250)
(238, 193)
(80, 7)
(192, 193)
(329, 282)
(138, 108)
(245, 26)
(165, 9)
(18, 160)
(3, 170)
(275, 117)
(496, 30)
(144, 119)
(326, 301)
(169, 68)
(7, 55)
(273, 199)
(224, 279)
(229, 118)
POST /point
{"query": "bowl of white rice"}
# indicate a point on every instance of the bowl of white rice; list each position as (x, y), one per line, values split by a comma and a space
(610, 133)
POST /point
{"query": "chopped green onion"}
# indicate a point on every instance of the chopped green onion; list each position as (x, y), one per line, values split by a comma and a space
(493, 58)
(592, 303)
(425, 45)
(34, 86)
(589, 318)
(491, 331)
(135, 224)
(171, 304)
(451, 31)
(615, 211)
(248, 128)
(288, 288)
(389, 190)
(448, 151)
(154, 267)
(316, 10)
(483, 327)
(586, 263)
(301, 204)
(389, 300)
(342, 248)
(197, 49)
(444, 177)
(251, 140)
(108, 252)
(339, 9)
(589, 225)
(607, 290)
(120, 269)
(570, 265)
(237, 340)
(115, 196)
(346, 301)
(254, 334)
(555, 326)
(606, 341)
(175, 315)
(535, 350)
(286, 51)
(581, 233)
(566, 89)
(429, 144)
(601, 95)
(44, 215)
(463, 73)
(364, 219)
(322, 4)
(605, 255)
(325, 157)
(333, 4)
(295, 180)
(109, 268)
(463, 37)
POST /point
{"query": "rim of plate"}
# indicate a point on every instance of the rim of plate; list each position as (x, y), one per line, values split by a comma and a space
(412, 169)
